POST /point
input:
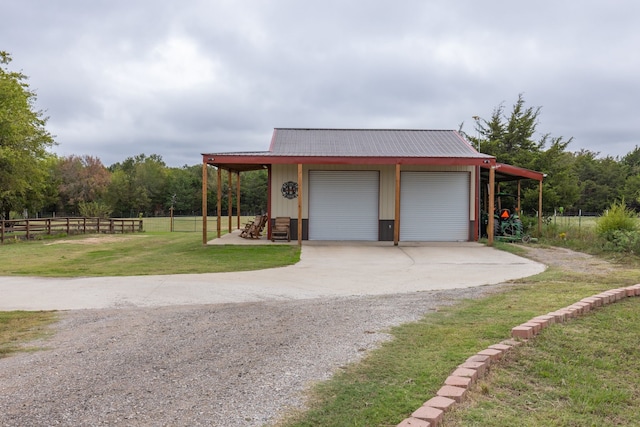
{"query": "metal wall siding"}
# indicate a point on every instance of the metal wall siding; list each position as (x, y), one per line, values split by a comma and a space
(434, 206)
(281, 206)
(343, 205)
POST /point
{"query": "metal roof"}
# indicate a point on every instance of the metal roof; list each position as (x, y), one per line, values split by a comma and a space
(371, 143)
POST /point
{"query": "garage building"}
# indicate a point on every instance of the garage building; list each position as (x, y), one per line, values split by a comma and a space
(372, 184)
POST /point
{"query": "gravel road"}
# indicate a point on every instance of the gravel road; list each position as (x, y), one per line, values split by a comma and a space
(205, 365)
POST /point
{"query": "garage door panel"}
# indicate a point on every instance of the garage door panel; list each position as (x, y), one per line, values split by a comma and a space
(343, 205)
(434, 206)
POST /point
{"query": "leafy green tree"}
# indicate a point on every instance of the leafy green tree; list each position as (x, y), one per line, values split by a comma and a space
(631, 190)
(601, 180)
(253, 192)
(184, 190)
(82, 179)
(23, 144)
(138, 185)
(560, 186)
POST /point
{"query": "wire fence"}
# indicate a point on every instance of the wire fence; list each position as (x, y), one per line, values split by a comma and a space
(191, 224)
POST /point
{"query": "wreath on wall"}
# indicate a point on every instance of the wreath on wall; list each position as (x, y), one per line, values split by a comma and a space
(289, 190)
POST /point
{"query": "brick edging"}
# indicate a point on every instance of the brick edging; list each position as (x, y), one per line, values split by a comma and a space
(466, 374)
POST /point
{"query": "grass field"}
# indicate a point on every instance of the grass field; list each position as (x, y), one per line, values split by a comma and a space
(137, 254)
(186, 224)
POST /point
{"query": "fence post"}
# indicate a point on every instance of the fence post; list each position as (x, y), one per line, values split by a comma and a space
(580, 221)
(2, 231)
(27, 227)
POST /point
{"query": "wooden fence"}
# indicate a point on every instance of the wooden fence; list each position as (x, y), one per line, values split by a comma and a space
(29, 228)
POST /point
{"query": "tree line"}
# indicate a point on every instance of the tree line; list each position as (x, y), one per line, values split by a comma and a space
(144, 185)
(33, 180)
(575, 181)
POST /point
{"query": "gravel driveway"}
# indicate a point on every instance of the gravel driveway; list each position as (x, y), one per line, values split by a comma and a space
(233, 364)
(207, 365)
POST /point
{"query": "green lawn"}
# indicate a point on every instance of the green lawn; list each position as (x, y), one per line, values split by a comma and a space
(581, 373)
(137, 254)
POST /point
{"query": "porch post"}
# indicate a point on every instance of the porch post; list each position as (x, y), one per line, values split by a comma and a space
(204, 202)
(238, 197)
(540, 210)
(396, 222)
(219, 205)
(300, 195)
(269, 202)
(230, 201)
(518, 208)
(492, 191)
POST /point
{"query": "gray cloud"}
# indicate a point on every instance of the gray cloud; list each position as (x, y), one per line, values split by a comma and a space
(177, 79)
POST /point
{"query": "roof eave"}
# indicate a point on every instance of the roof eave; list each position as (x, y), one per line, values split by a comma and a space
(226, 159)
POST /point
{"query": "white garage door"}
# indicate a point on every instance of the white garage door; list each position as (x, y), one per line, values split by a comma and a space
(434, 206)
(343, 205)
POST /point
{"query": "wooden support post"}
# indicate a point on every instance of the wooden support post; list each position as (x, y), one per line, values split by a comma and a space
(238, 197)
(300, 195)
(396, 221)
(540, 210)
(230, 201)
(204, 202)
(518, 207)
(219, 204)
(269, 202)
(492, 195)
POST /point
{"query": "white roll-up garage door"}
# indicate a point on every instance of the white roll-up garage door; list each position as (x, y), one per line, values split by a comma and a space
(343, 205)
(434, 206)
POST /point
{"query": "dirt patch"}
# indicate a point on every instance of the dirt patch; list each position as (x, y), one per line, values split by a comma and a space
(569, 260)
(95, 240)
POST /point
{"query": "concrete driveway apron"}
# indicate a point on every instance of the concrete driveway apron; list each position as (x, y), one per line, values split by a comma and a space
(325, 270)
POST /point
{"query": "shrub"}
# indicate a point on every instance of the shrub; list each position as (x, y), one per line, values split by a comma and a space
(529, 224)
(623, 241)
(94, 209)
(617, 218)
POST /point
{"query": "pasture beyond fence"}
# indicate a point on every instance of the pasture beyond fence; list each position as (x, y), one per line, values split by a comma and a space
(192, 223)
(30, 228)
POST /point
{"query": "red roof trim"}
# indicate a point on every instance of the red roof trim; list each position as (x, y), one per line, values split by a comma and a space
(505, 169)
(222, 159)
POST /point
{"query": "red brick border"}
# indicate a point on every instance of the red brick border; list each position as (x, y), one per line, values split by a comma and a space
(458, 383)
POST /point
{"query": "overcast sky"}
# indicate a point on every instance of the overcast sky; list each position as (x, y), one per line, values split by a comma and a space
(120, 78)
